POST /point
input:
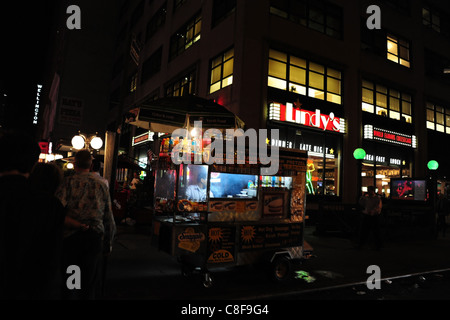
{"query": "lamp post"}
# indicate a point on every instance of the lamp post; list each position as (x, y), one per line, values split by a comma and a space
(359, 154)
(80, 141)
(433, 165)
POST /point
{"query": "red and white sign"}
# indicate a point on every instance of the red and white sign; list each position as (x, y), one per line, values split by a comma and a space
(316, 119)
(44, 147)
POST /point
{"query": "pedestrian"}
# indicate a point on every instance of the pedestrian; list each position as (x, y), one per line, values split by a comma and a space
(442, 209)
(370, 222)
(87, 201)
(46, 178)
(31, 225)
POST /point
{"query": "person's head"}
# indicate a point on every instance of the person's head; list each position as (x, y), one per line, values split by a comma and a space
(371, 190)
(83, 160)
(21, 152)
(46, 177)
(201, 180)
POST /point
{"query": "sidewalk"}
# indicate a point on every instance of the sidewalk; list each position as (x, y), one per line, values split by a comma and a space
(136, 270)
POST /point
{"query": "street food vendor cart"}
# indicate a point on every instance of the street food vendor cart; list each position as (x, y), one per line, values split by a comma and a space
(229, 214)
(222, 213)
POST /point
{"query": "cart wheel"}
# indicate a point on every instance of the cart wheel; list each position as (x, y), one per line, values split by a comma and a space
(207, 280)
(281, 268)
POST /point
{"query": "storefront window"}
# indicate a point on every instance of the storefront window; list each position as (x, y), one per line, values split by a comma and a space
(382, 164)
(322, 179)
(323, 165)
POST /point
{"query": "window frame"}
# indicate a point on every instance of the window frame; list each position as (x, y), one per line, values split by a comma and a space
(437, 109)
(221, 80)
(186, 36)
(311, 69)
(378, 91)
(396, 55)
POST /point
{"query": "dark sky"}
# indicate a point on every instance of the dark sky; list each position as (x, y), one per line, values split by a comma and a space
(25, 33)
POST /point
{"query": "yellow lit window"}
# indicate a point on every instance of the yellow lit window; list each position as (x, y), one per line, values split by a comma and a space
(294, 74)
(398, 50)
(222, 71)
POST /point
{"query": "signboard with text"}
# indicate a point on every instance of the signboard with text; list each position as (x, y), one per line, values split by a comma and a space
(314, 119)
(374, 133)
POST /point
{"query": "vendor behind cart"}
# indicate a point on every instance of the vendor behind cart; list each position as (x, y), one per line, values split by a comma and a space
(197, 191)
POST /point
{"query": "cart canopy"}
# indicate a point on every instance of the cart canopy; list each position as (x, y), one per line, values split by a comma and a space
(167, 114)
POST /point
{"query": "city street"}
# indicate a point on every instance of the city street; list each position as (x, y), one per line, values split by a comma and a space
(414, 269)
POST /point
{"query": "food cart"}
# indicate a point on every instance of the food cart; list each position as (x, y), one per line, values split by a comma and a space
(212, 214)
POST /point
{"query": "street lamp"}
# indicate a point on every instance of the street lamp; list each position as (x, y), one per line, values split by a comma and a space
(80, 141)
(359, 154)
(433, 165)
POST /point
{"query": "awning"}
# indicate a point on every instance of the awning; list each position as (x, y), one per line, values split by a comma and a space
(167, 114)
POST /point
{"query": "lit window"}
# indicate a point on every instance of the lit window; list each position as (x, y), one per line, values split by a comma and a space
(438, 118)
(398, 50)
(386, 102)
(186, 36)
(222, 71)
(182, 86)
(304, 77)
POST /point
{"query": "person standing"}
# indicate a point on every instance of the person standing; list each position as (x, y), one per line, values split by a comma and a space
(31, 228)
(372, 205)
(96, 166)
(87, 201)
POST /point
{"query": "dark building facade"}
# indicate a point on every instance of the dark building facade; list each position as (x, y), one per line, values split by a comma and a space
(310, 68)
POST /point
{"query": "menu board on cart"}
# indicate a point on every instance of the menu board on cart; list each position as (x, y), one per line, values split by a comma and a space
(221, 244)
(267, 236)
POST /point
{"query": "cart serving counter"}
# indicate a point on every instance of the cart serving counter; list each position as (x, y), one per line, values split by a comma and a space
(229, 214)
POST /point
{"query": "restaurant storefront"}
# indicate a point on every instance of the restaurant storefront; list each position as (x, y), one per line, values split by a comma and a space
(304, 126)
(389, 154)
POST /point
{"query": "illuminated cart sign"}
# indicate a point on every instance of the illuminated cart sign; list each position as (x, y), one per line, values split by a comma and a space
(313, 119)
(373, 133)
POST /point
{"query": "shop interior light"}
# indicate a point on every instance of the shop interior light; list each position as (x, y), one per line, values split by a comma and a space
(96, 143)
(433, 165)
(78, 142)
(359, 154)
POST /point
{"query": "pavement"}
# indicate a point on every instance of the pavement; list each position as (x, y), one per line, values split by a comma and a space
(138, 271)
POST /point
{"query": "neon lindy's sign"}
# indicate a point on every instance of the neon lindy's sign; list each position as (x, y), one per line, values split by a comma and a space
(288, 113)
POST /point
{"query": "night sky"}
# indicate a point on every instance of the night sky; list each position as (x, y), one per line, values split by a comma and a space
(25, 38)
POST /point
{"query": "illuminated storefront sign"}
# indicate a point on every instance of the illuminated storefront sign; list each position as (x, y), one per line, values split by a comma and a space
(373, 133)
(36, 106)
(313, 150)
(315, 119)
(148, 136)
(383, 160)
